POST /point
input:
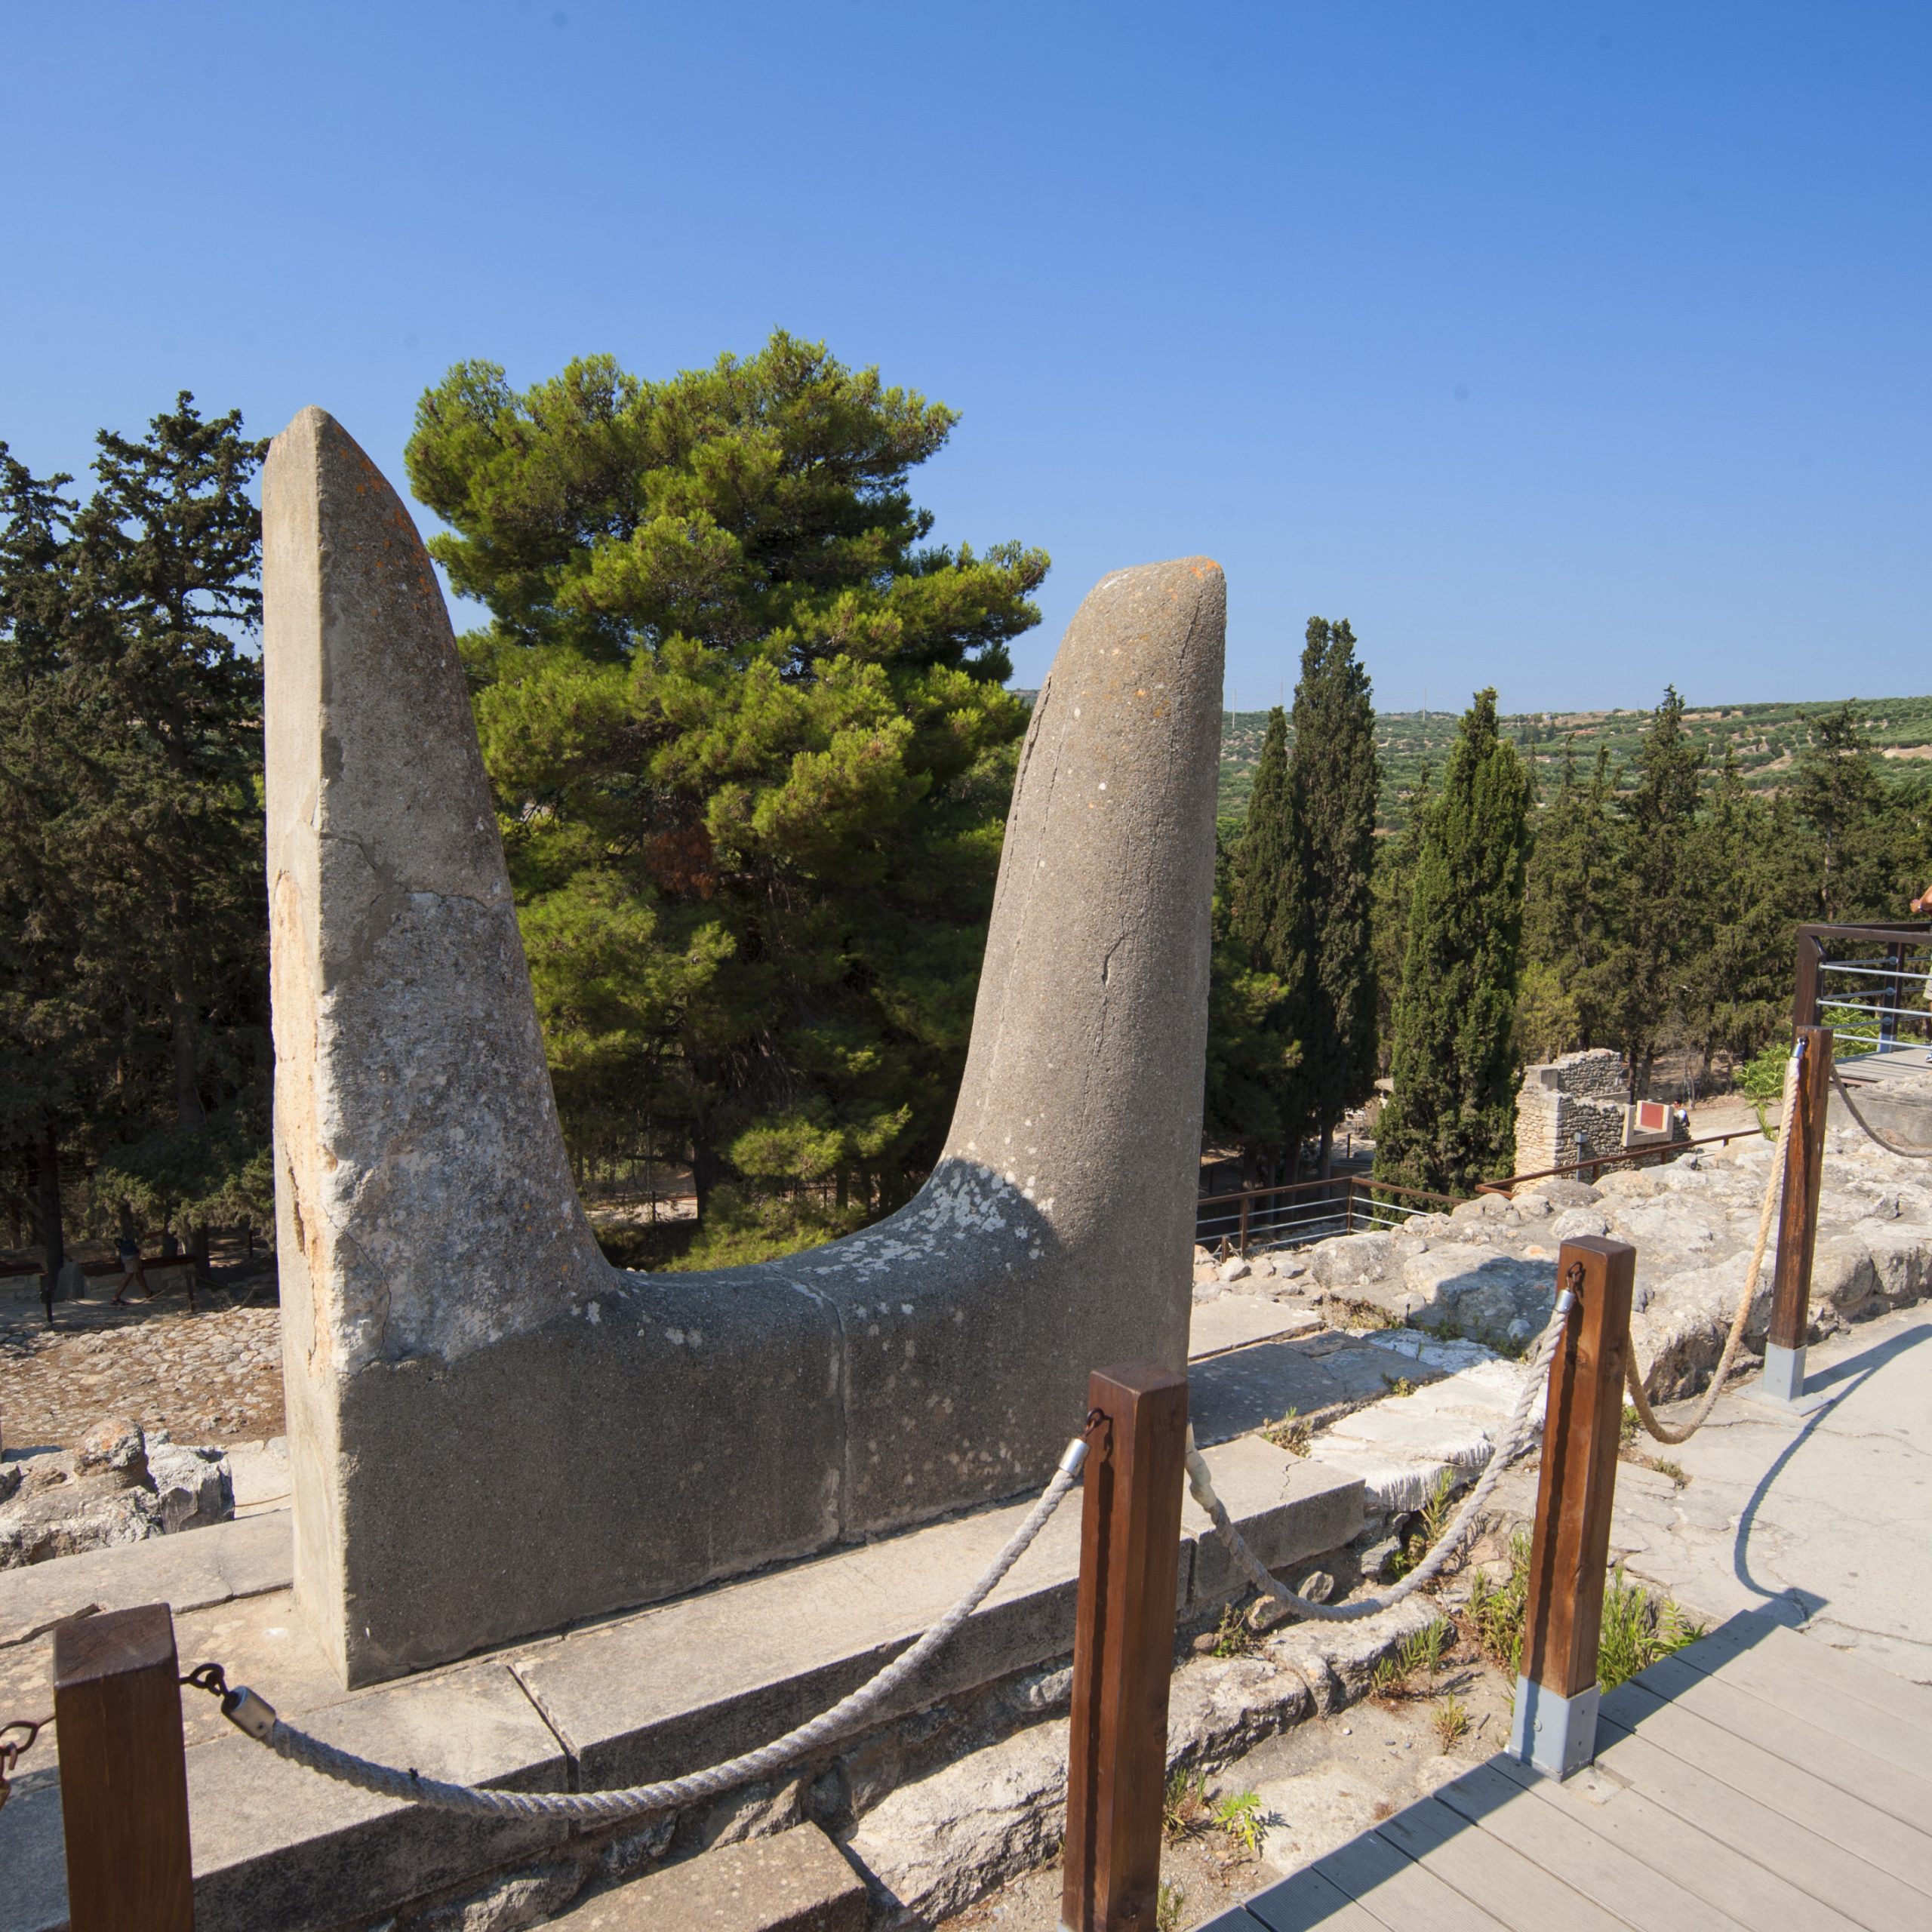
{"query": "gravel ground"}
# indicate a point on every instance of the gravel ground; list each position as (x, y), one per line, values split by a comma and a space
(214, 1376)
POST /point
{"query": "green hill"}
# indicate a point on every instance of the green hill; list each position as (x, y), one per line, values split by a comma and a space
(1766, 738)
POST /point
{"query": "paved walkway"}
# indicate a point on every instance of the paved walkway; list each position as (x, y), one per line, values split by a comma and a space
(1778, 1772)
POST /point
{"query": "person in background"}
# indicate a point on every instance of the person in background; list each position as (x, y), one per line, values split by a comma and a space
(129, 1250)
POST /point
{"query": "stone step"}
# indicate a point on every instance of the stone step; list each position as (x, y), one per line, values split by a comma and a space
(792, 1881)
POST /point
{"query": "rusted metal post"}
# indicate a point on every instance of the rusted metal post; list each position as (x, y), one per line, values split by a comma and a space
(1123, 1648)
(1556, 1694)
(1803, 1153)
(124, 1773)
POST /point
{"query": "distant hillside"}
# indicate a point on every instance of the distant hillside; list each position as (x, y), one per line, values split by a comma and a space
(1766, 738)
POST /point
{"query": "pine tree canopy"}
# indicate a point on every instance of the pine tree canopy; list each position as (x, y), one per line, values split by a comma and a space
(1451, 1120)
(751, 750)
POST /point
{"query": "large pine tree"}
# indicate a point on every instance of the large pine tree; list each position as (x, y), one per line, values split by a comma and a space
(1451, 1121)
(752, 750)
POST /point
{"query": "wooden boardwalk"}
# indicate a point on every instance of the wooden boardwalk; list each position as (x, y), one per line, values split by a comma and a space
(1756, 1781)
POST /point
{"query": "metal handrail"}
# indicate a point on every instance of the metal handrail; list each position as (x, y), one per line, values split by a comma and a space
(1510, 1182)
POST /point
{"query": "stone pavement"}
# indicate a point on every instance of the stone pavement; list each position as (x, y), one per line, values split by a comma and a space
(1819, 1518)
(212, 1377)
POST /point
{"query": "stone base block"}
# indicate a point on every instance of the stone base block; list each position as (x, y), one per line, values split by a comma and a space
(793, 1881)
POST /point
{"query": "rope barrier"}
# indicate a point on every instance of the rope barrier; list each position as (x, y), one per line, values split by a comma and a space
(1871, 1132)
(1515, 1439)
(1676, 1432)
(256, 1717)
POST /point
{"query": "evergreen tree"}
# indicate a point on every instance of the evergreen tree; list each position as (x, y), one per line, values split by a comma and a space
(1250, 1052)
(1267, 889)
(1333, 782)
(1661, 900)
(133, 977)
(751, 750)
(1451, 1121)
(1395, 861)
(1839, 796)
(1571, 881)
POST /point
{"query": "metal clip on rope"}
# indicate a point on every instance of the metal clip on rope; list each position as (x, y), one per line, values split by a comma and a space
(256, 1716)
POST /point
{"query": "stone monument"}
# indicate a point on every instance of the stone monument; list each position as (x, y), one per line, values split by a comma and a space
(492, 1430)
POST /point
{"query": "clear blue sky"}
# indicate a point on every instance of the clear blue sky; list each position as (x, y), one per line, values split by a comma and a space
(1569, 348)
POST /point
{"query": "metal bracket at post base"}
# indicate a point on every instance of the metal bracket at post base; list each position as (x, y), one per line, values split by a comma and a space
(1782, 1384)
(1552, 1734)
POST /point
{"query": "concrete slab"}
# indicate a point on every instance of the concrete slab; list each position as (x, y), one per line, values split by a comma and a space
(792, 1881)
(189, 1570)
(260, 1473)
(1234, 1321)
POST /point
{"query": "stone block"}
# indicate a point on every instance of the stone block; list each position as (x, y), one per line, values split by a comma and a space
(794, 1881)
(1287, 1507)
(210, 1566)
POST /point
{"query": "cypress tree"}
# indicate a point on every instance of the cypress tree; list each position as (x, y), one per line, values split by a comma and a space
(1266, 907)
(1395, 861)
(1661, 899)
(1451, 1121)
(1333, 778)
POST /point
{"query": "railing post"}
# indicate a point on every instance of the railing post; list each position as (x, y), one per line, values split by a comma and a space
(1803, 1157)
(1556, 1693)
(1246, 1204)
(1805, 992)
(1123, 1647)
(124, 1773)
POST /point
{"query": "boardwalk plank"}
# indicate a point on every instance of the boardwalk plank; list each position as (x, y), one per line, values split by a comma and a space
(1385, 1880)
(1777, 1728)
(1515, 1893)
(1237, 1919)
(1816, 1659)
(1787, 1674)
(1885, 1841)
(1734, 1880)
(1307, 1900)
(1643, 1897)
(1796, 1853)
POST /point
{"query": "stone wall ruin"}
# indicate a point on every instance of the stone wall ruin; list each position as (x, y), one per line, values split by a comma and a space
(492, 1430)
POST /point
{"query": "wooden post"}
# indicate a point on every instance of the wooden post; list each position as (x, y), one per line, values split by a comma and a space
(1803, 1157)
(1246, 1202)
(1805, 986)
(1556, 1693)
(124, 1773)
(1123, 1648)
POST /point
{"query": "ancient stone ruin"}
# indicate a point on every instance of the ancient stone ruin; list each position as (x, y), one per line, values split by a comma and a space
(492, 1430)
(1570, 1109)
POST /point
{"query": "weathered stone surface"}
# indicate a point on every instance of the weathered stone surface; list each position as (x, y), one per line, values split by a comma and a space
(437, 1272)
(213, 1566)
(115, 1488)
(793, 1881)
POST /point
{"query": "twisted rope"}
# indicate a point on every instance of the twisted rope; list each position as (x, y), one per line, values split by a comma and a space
(1871, 1132)
(1516, 1437)
(1675, 1432)
(255, 1716)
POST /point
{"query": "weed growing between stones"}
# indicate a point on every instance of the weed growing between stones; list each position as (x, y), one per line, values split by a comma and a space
(1239, 1815)
(1420, 1656)
(1291, 1433)
(1362, 1315)
(1233, 1635)
(1400, 1385)
(1170, 1902)
(1451, 1720)
(1184, 1811)
(1429, 1521)
(1639, 1628)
